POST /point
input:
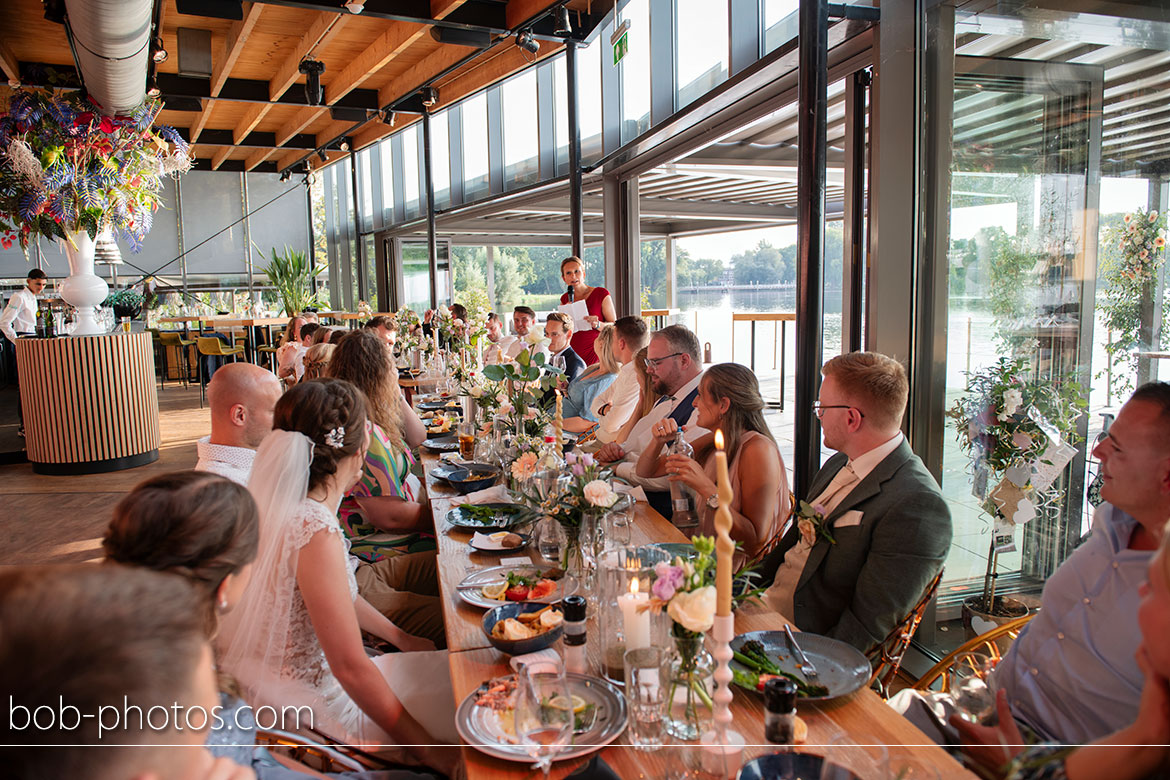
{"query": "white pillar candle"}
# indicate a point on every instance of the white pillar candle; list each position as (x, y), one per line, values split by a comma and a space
(635, 623)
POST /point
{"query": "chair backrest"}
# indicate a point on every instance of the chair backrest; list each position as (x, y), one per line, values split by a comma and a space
(170, 338)
(990, 642)
(770, 546)
(209, 345)
(886, 656)
(312, 754)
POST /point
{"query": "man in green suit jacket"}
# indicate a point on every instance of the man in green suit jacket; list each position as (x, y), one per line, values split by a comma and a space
(883, 529)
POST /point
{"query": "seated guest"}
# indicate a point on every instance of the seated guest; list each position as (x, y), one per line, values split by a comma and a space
(1140, 750)
(93, 638)
(384, 327)
(558, 329)
(1070, 675)
(890, 526)
(729, 400)
(289, 339)
(647, 398)
(523, 318)
(673, 362)
(295, 636)
(241, 398)
(384, 515)
(495, 327)
(317, 358)
(581, 391)
(335, 335)
(321, 336)
(614, 405)
(292, 369)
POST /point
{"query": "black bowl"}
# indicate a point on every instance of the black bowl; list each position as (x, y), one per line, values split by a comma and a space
(473, 477)
(518, 646)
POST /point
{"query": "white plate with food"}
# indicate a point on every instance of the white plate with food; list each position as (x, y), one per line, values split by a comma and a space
(498, 585)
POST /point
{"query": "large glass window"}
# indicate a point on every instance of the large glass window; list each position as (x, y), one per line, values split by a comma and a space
(780, 22)
(589, 100)
(441, 158)
(365, 187)
(410, 170)
(475, 146)
(521, 129)
(701, 48)
(634, 71)
(385, 149)
(416, 276)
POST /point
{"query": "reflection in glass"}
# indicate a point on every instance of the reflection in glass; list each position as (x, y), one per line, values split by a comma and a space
(385, 148)
(410, 170)
(416, 277)
(518, 99)
(701, 48)
(441, 158)
(634, 71)
(475, 146)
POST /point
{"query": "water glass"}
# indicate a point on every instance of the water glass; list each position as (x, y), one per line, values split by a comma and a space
(551, 540)
(647, 671)
(544, 715)
(970, 686)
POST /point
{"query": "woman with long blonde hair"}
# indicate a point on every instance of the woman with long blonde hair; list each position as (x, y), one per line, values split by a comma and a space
(581, 391)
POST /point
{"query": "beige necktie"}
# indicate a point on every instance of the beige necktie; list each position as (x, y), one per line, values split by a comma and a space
(837, 489)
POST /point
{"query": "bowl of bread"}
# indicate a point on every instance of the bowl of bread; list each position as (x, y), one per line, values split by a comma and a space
(521, 628)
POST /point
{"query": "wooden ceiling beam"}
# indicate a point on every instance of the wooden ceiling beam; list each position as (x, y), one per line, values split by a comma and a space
(257, 157)
(394, 40)
(291, 157)
(233, 46)
(441, 8)
(303, 119)
(420, 74)
(320, 32)
(249, 121)
(218, 158)
(9, 64)
(520, 11)
(201, 122)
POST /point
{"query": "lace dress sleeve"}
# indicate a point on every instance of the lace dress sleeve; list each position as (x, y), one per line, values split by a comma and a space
(314, 518)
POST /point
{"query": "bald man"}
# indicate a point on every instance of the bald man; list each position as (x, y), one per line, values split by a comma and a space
(242, 398)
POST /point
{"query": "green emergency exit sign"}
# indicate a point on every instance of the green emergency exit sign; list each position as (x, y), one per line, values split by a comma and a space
(621, 47)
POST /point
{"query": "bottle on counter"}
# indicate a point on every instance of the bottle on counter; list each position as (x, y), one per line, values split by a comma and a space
(50, 324)
(39, 328)
(682, 497)
(574, 635)
(780, 711)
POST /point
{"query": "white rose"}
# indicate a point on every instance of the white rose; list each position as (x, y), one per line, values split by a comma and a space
(475, 391)
(694, 611)
(535, 338)
(599, 493)
(1012, 400)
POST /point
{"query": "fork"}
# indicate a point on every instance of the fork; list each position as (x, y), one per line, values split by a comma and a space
(806, 667)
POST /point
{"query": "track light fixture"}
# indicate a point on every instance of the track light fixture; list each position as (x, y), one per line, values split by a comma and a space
(313, 69)
(285, 175)
(563, 26)
(324, 157)
(306, 167)
(429, 95)
(158, 53)
(344, 145)
(388, 117)
(152, 89)
(526, 41)
(355, 6)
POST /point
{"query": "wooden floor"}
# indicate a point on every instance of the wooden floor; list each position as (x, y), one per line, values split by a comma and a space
(62, 519)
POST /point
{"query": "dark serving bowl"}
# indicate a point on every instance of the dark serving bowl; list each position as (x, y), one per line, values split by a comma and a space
(473, 477)
(518, 646)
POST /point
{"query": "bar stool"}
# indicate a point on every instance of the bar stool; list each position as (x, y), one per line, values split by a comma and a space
(210, 346)
(270, 350)
(176, 340)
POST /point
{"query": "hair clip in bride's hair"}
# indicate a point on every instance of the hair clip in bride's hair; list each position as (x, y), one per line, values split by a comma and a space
(336, 437)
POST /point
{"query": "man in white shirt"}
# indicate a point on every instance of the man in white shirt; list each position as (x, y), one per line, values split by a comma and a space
(674, 361)
(523, 318)
(613, 406)
(20, 315)
(883, 530)
(242, 398)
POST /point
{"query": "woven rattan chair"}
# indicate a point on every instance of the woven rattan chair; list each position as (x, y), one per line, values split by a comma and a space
(886, 656)
(990, 643)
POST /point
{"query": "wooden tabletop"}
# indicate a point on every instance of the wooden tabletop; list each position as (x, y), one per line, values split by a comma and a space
(863, 715)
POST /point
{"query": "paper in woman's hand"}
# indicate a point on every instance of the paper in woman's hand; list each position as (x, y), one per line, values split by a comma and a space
(578, 311)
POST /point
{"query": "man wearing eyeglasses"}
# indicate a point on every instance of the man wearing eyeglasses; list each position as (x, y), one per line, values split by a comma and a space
(884, 529)
(674, 362)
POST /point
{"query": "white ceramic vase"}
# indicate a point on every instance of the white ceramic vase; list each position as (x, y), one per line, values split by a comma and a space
(84, 290)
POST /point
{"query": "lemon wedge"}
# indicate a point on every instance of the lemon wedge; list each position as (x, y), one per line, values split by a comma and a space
(495, 591)
(579, 704)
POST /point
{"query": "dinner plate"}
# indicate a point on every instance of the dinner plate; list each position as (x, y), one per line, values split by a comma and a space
(440, 406)
(676, 549)
(525, 539)
(782, 766)
(444, 443)
(469, 588)
(840, 667)
(480, 727)
(444, 469)
(506, 516)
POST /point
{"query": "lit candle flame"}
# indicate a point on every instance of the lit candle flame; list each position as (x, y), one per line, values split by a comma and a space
(634, 586)
(719, 439)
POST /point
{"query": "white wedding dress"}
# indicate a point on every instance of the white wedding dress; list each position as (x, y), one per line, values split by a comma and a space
(268, 642)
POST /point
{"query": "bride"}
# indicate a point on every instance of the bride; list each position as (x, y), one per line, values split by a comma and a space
(295, 638)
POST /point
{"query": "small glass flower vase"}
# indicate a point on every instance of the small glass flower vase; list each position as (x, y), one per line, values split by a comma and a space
(691, 685)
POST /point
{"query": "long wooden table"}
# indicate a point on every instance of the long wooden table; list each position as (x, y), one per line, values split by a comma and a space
(863, 715)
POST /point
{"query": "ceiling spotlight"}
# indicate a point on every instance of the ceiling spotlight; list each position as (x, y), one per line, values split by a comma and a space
(324, 157)
(152, 89)
(306, 167)
(355, 6)
(429, 96)
(344, 145)
(563, 26)
(285, 175)
(313, 69)
(526, 41)
(159, 54)
(388, 117)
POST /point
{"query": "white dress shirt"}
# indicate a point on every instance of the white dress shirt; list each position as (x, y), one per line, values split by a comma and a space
(779, 596)
(641, 437)
(20, 315)
(622, 396)
(235, 463)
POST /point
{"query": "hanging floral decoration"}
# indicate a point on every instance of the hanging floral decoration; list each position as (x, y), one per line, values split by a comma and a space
(64, 167)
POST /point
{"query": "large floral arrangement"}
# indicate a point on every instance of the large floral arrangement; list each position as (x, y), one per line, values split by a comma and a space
(1130, 273)
(525, 381)
(1020, 432)
(64, 167)
(585, 490)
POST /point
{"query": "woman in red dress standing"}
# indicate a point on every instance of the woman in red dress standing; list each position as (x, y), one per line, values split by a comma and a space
(598, 302)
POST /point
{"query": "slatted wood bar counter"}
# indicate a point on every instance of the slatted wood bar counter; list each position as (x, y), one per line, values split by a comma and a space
(90, 403)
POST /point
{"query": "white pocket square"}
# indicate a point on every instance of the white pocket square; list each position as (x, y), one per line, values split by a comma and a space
(848, 519)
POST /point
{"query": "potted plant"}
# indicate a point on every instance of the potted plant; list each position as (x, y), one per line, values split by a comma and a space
(292, 274)
(126, 303)
(67, 172)
(1020, 433)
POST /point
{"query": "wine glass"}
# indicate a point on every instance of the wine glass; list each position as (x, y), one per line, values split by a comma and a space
(544, 714)
(970, 686)
(558, 362)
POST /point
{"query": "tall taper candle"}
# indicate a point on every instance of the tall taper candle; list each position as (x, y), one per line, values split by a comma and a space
(724, 547)
(559, 425)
